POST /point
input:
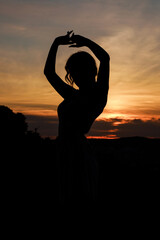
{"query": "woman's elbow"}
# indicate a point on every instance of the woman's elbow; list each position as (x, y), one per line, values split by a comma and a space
(47, 73)
(50, 76)
(106, 57)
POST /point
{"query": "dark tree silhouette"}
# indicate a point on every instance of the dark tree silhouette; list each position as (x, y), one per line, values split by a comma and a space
(14, 129)
(12, 125)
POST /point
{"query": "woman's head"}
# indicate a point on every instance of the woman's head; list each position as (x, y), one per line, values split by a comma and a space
(81, 69)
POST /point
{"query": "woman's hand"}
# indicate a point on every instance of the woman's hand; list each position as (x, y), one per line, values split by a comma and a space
(71, 39)
(78, 41)
(65, 40)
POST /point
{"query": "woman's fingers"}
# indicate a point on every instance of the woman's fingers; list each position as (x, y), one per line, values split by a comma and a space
(69, 33)
(72, 46)
(75, 46)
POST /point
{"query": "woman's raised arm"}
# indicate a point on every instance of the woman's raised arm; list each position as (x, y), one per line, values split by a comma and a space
(49, 71)
(103, 57)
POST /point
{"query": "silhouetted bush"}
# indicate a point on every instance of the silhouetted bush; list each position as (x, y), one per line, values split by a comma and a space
(14, 129)
(12, 125)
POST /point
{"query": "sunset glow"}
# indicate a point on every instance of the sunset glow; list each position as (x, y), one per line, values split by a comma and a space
(128, 30)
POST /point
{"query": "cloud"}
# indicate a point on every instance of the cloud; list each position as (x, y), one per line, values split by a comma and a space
(137, 127)
(116, 127)
(109, 128)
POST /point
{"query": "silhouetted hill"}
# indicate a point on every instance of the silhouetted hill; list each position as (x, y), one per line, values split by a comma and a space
(128, 168)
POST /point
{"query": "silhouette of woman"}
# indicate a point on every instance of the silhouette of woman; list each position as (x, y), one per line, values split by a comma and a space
(76, 165)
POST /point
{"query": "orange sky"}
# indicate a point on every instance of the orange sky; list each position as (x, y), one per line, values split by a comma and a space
(128, 30)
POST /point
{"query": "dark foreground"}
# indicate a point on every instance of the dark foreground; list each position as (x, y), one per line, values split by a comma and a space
(129, 171)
